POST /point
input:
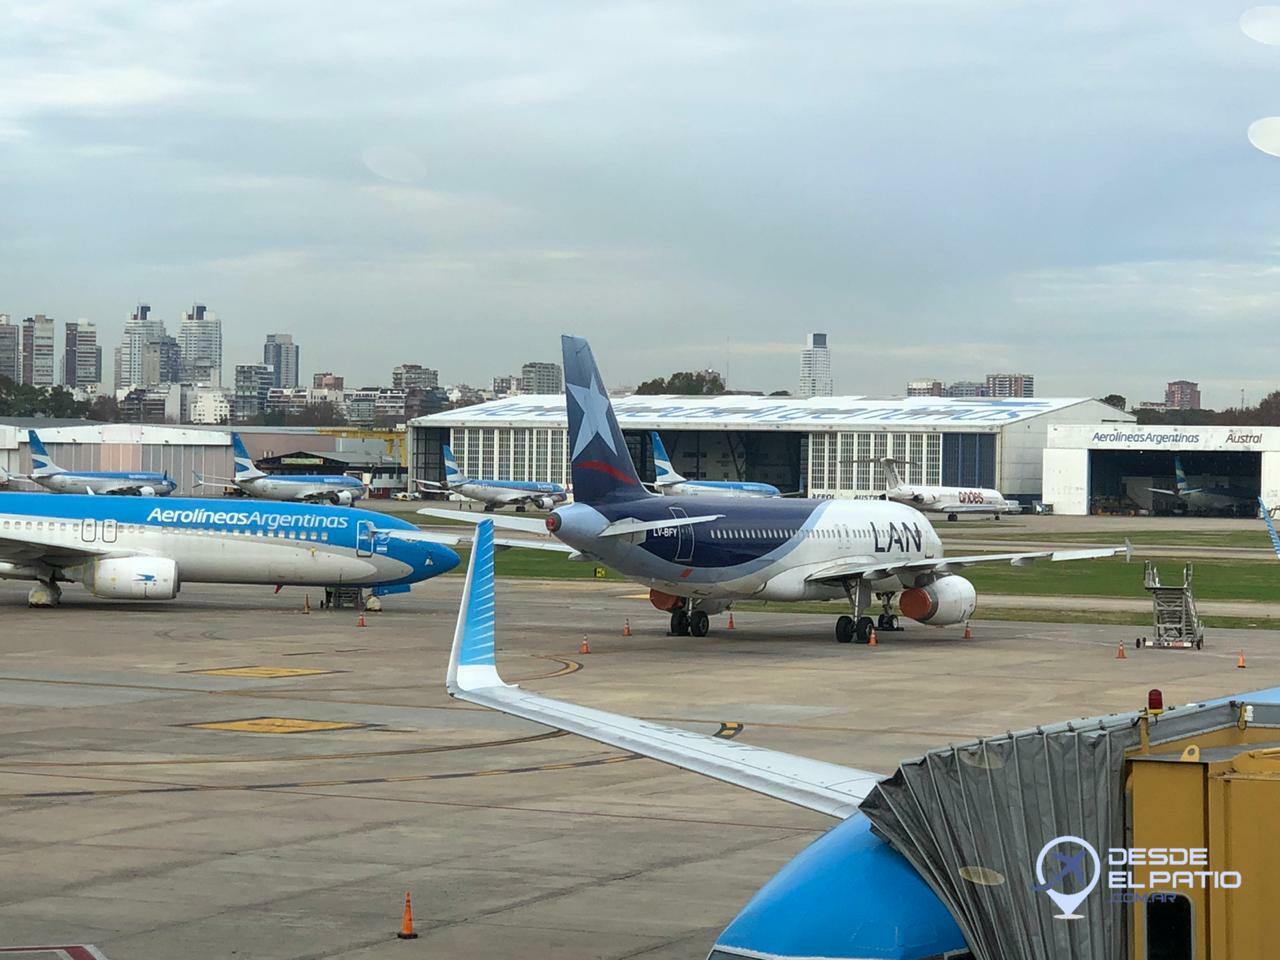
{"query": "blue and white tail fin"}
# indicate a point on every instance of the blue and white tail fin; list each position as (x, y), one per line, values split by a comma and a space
(1271, 527)
(472, 664)
(1183, 487)
(664, 473)
(42, 464)
(452, 474)
(245, 469)
(601, 465)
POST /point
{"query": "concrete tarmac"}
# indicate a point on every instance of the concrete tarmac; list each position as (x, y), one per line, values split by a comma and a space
(222, 776)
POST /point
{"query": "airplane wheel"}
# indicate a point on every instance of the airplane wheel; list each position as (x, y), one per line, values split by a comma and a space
(952, 517)
(844, 630)
(889, 622)
(679, 624)
(699, 623)
(862, 629)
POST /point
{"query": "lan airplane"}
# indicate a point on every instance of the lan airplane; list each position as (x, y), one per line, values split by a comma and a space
(496, 493)
(670, 483)
(697, 555)
(47, 474)
(338, 489)
(952, 501)
(135, 550)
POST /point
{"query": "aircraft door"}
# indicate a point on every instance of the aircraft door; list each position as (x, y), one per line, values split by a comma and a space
(108, 531)
(88, 530)
(364, 538)
(685, 534)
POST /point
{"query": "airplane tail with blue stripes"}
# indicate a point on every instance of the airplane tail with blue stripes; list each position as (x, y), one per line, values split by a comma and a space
(1183, 487)
(601, 465)
(245, 468)
(1271, 527)
(42, 464)
(664, 473)
(453, 475)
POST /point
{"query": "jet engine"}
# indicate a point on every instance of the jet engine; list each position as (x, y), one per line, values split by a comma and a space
(945, 601)
(341, 498)
(546, 503)
(146, 491)
(132, 578)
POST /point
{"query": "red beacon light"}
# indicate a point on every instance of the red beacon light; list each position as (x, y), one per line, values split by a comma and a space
(1155, 702)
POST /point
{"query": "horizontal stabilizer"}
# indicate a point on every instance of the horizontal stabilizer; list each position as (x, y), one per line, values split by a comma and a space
(473, 676)
(523, 524)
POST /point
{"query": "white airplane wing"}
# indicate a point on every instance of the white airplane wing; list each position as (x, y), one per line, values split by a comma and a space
(473, 676)
(502, 543)
(522, 524)
(16, 549)
(861, 567)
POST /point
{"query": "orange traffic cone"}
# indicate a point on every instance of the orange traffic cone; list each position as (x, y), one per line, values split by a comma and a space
(626, 627)
(584, 647)
(873, 641)
(306, 603)
(1240, 661)
(968, 634)
(406, 925)
(730, 619)
(1120, 652)
(360, 621)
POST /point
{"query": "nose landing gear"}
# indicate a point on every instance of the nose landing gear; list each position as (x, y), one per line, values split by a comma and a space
(693, 622)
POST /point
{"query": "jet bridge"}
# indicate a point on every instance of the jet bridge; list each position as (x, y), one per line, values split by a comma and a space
(995, 825)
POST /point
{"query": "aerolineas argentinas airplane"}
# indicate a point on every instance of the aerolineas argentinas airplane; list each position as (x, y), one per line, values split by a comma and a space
(496, 493)
(55, 479)
(128, 549)
(336, 488)
(698, 555)
(673, 484)
(952, 501)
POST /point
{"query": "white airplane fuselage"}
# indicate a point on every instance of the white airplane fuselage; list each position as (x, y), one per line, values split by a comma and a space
(338, 489)
(937, 499)
(127, 484)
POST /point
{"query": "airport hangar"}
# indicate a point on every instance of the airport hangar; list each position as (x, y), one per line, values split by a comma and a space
(824, 445)
(1109, 467)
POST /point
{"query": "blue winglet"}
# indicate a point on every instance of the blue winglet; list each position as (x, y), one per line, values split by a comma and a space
(471, 663)
(1271, 527)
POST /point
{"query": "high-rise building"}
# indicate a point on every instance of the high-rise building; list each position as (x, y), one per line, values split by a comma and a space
(39, 351)
(253, 383)
(925, 388)
(10, 349)
(281, 354)
(1182, 395)
(507, 386)
(161, 361)
(82, 357)
(326, 381)
(1011, 385)
(538, 377)
(200, 339)
(409, 375)
(815, 368)
(139, 330)
(965, 388)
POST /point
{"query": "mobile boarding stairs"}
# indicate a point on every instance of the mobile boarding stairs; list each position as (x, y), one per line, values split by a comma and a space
(1174, 608)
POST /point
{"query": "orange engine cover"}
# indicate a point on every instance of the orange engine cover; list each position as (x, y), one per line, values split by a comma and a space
(665, 601)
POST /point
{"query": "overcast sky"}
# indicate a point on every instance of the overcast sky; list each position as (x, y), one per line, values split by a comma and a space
(947, 188)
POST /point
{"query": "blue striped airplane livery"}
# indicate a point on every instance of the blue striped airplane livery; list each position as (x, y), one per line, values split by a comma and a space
(671, 483)
(139, 550)
(47, 474)
(697, 555)
(849, 895)
(336, 488)
(496, 493)
(1205, 499)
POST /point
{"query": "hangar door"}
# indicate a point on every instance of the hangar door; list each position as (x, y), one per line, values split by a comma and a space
(1222, 483)
(968, 459)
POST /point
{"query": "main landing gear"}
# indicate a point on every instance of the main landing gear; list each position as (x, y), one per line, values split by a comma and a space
(857, 628)
(693, 622)
(44, 594)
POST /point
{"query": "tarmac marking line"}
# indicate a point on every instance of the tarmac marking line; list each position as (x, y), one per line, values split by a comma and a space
(263, 673)
(279, 725)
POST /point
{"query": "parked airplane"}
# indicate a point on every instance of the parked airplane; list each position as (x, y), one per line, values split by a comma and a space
(671, 483)
(698, 555)
(952, 501)
(47, 474)
(134, 550)
(1206, 499)
(496, 493)
(1271, 527)
(336, 488)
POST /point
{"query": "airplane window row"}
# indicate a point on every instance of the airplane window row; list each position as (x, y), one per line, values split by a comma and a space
(76, 528)
(824, 533)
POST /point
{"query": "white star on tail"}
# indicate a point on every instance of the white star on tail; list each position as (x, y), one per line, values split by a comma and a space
(595, 416)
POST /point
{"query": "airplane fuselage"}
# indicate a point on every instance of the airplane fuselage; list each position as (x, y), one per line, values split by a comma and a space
(107, 483)
(329, 488)
(762, 549)
(503, 493)
(718, 488)
(936, 499)
(211, 542)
